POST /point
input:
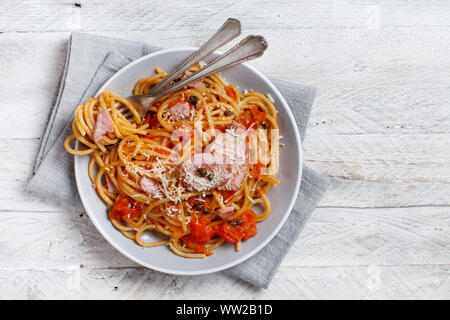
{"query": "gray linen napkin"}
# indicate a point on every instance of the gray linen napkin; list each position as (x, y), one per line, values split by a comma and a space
(90, 61)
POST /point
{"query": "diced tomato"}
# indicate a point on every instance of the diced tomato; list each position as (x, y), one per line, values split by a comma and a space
(248, 117)
(255, 170)
(231, 93)
(132, 212)
(201, 230)
(221, 128)
(152, 120)
(234, 232)
(248, 226)
(189, 242)
(230, 233)
(124, 207)
(257, 116)
(245, 118)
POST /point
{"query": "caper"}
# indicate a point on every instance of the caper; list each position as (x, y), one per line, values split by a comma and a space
(205, 211)
(193, 100)
(202, 172)
(198, 206)
(228, 113)
(235, 223)
(210, 177)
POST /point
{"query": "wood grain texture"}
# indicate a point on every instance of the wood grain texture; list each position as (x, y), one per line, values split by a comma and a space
(379, 130)
(95, 15)
(348, 189)
(332, 237)
(394, 282)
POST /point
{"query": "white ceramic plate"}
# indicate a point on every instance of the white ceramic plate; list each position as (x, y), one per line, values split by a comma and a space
(282, 197)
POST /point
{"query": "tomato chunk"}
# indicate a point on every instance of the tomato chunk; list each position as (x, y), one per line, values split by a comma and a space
(242, 228)
(248, 226)
(230, 233)
(231, 93)
(221, 127)
(255, 170)
(190, 242)
(251, 116)
(124, 207)
(257, 116)
(152, 119)
(201, 230)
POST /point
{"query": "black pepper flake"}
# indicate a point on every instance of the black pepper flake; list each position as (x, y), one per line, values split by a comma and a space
(198, 206)
(77, 5)
(205, 211)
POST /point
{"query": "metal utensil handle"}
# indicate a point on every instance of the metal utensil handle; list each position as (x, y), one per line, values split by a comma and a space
(227, 32)
(249, 48)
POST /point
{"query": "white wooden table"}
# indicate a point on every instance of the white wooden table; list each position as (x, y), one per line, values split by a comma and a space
(380, 128)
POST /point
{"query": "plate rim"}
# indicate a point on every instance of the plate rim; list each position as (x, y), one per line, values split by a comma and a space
(81, 189)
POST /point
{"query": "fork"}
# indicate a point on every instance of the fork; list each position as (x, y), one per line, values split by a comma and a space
(227, 32)
(249, 48)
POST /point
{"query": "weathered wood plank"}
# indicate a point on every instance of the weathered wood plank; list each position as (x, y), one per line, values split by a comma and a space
(342, 193)
(332, 237)
(379, 129)
(381, 82)
(381, 157)
(199, 15)
(374, 236)
(347, 169)
(359, 282)
(372, 194)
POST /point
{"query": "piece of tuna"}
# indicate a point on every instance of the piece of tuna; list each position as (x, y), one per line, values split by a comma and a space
(103, 125)
(180, 111)
(150, 186)
(225, 214)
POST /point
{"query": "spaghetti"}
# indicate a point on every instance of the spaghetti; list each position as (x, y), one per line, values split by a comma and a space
(191, 170)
